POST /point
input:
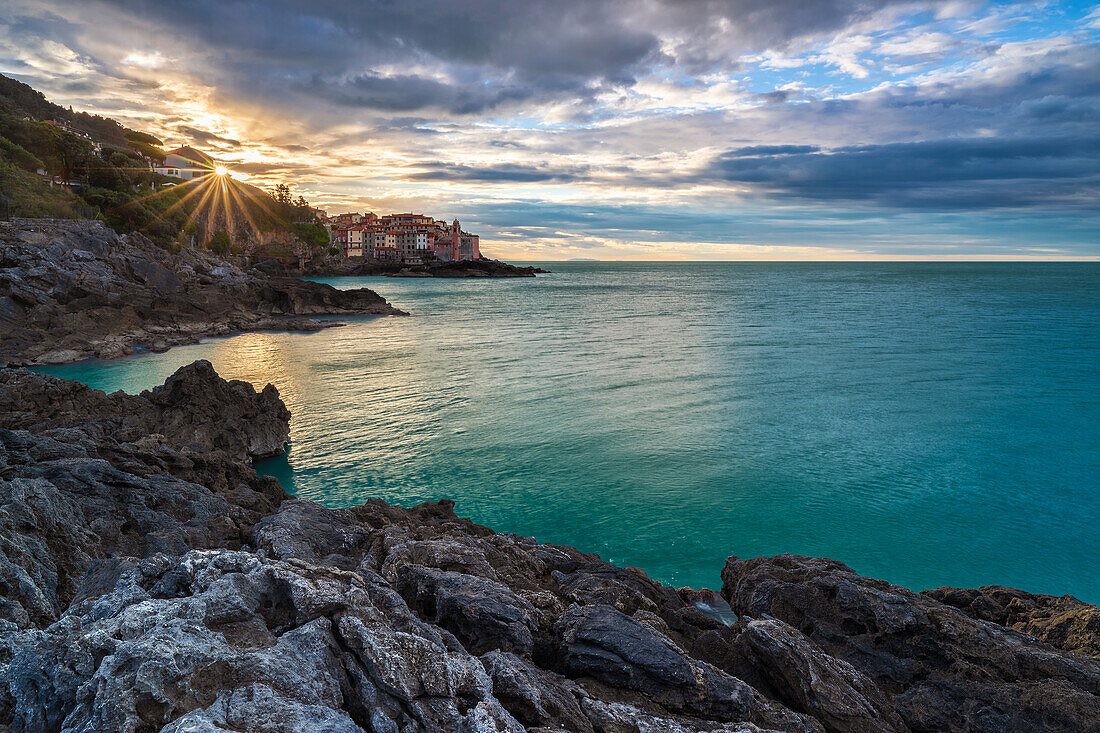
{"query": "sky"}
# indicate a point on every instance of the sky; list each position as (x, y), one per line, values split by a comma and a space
(626, 129)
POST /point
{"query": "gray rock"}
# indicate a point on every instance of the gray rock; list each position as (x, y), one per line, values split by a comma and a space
(807, 679)
(482, 613)
(536, 697)
(73, 289)
(943, 669)
(611, 647)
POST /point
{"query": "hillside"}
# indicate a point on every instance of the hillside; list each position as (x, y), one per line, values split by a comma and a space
(58, 163)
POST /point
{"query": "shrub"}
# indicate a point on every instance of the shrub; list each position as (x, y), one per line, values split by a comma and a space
(220, 244)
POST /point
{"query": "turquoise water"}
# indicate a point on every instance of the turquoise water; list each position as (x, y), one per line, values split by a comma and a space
(930, 424)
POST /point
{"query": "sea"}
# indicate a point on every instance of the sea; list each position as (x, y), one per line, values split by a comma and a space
(926, 423)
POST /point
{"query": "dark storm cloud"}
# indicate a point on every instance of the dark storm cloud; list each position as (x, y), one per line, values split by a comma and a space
(493, 52)
(937, 174)
(408, 93)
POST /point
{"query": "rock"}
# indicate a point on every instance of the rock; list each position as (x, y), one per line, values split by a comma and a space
(605, 644)
(536, 697)
(804, 677)
(87, 476)
(941, 668)
(150, 580)
(194, 410)
(224, 636)
(468, 268)
(199, 409)
(1061, 621)
(73, 289)
(366, 266)
(483, 614)
(616, 717)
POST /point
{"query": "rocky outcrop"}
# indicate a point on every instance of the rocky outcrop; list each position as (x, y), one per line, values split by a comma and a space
(90, 481)
(940, 668)
(150, 581)
(337, 266)
(468, 268)
(75, 289)
(1061, 621)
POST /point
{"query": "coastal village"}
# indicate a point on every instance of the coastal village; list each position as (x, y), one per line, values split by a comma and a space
(412, 239)
(408, 239)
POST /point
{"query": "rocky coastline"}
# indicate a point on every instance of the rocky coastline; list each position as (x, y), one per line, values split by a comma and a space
(365, 267)
(151, 581)
(74, 289)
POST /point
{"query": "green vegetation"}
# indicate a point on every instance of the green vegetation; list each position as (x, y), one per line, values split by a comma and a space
(220, 243)
(48, 168)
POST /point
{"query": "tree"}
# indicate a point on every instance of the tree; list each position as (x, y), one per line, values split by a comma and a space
(220, 244)
(282, 194)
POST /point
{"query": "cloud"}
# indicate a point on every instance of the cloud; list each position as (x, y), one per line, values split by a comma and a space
(406, 93)
(202, 137)
(499, 173)
(677, 116)
(938, 174)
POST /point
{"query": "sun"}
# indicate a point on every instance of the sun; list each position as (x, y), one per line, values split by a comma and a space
(220, 170)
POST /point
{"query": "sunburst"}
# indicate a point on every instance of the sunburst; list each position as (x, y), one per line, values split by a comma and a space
(218, 201)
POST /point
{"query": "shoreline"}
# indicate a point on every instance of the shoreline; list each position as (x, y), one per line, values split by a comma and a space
(74, 289)
(148, 507)
(479, 268)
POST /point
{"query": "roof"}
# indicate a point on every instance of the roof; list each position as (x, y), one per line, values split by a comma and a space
(195, 156)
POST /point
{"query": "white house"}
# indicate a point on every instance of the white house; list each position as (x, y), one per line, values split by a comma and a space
(186, 163)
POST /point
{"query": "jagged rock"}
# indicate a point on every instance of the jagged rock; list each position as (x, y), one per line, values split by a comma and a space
(536, 697)
(149, 580)
(222, 635)
(803, 676)
(90, 476)
(483, 614)
(71, 290)
(1061, 621)
(194, 410)
(943, 669)
(605, 644)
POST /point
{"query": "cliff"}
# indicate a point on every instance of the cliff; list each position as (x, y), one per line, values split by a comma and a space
(150, 581)
(73, 289)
